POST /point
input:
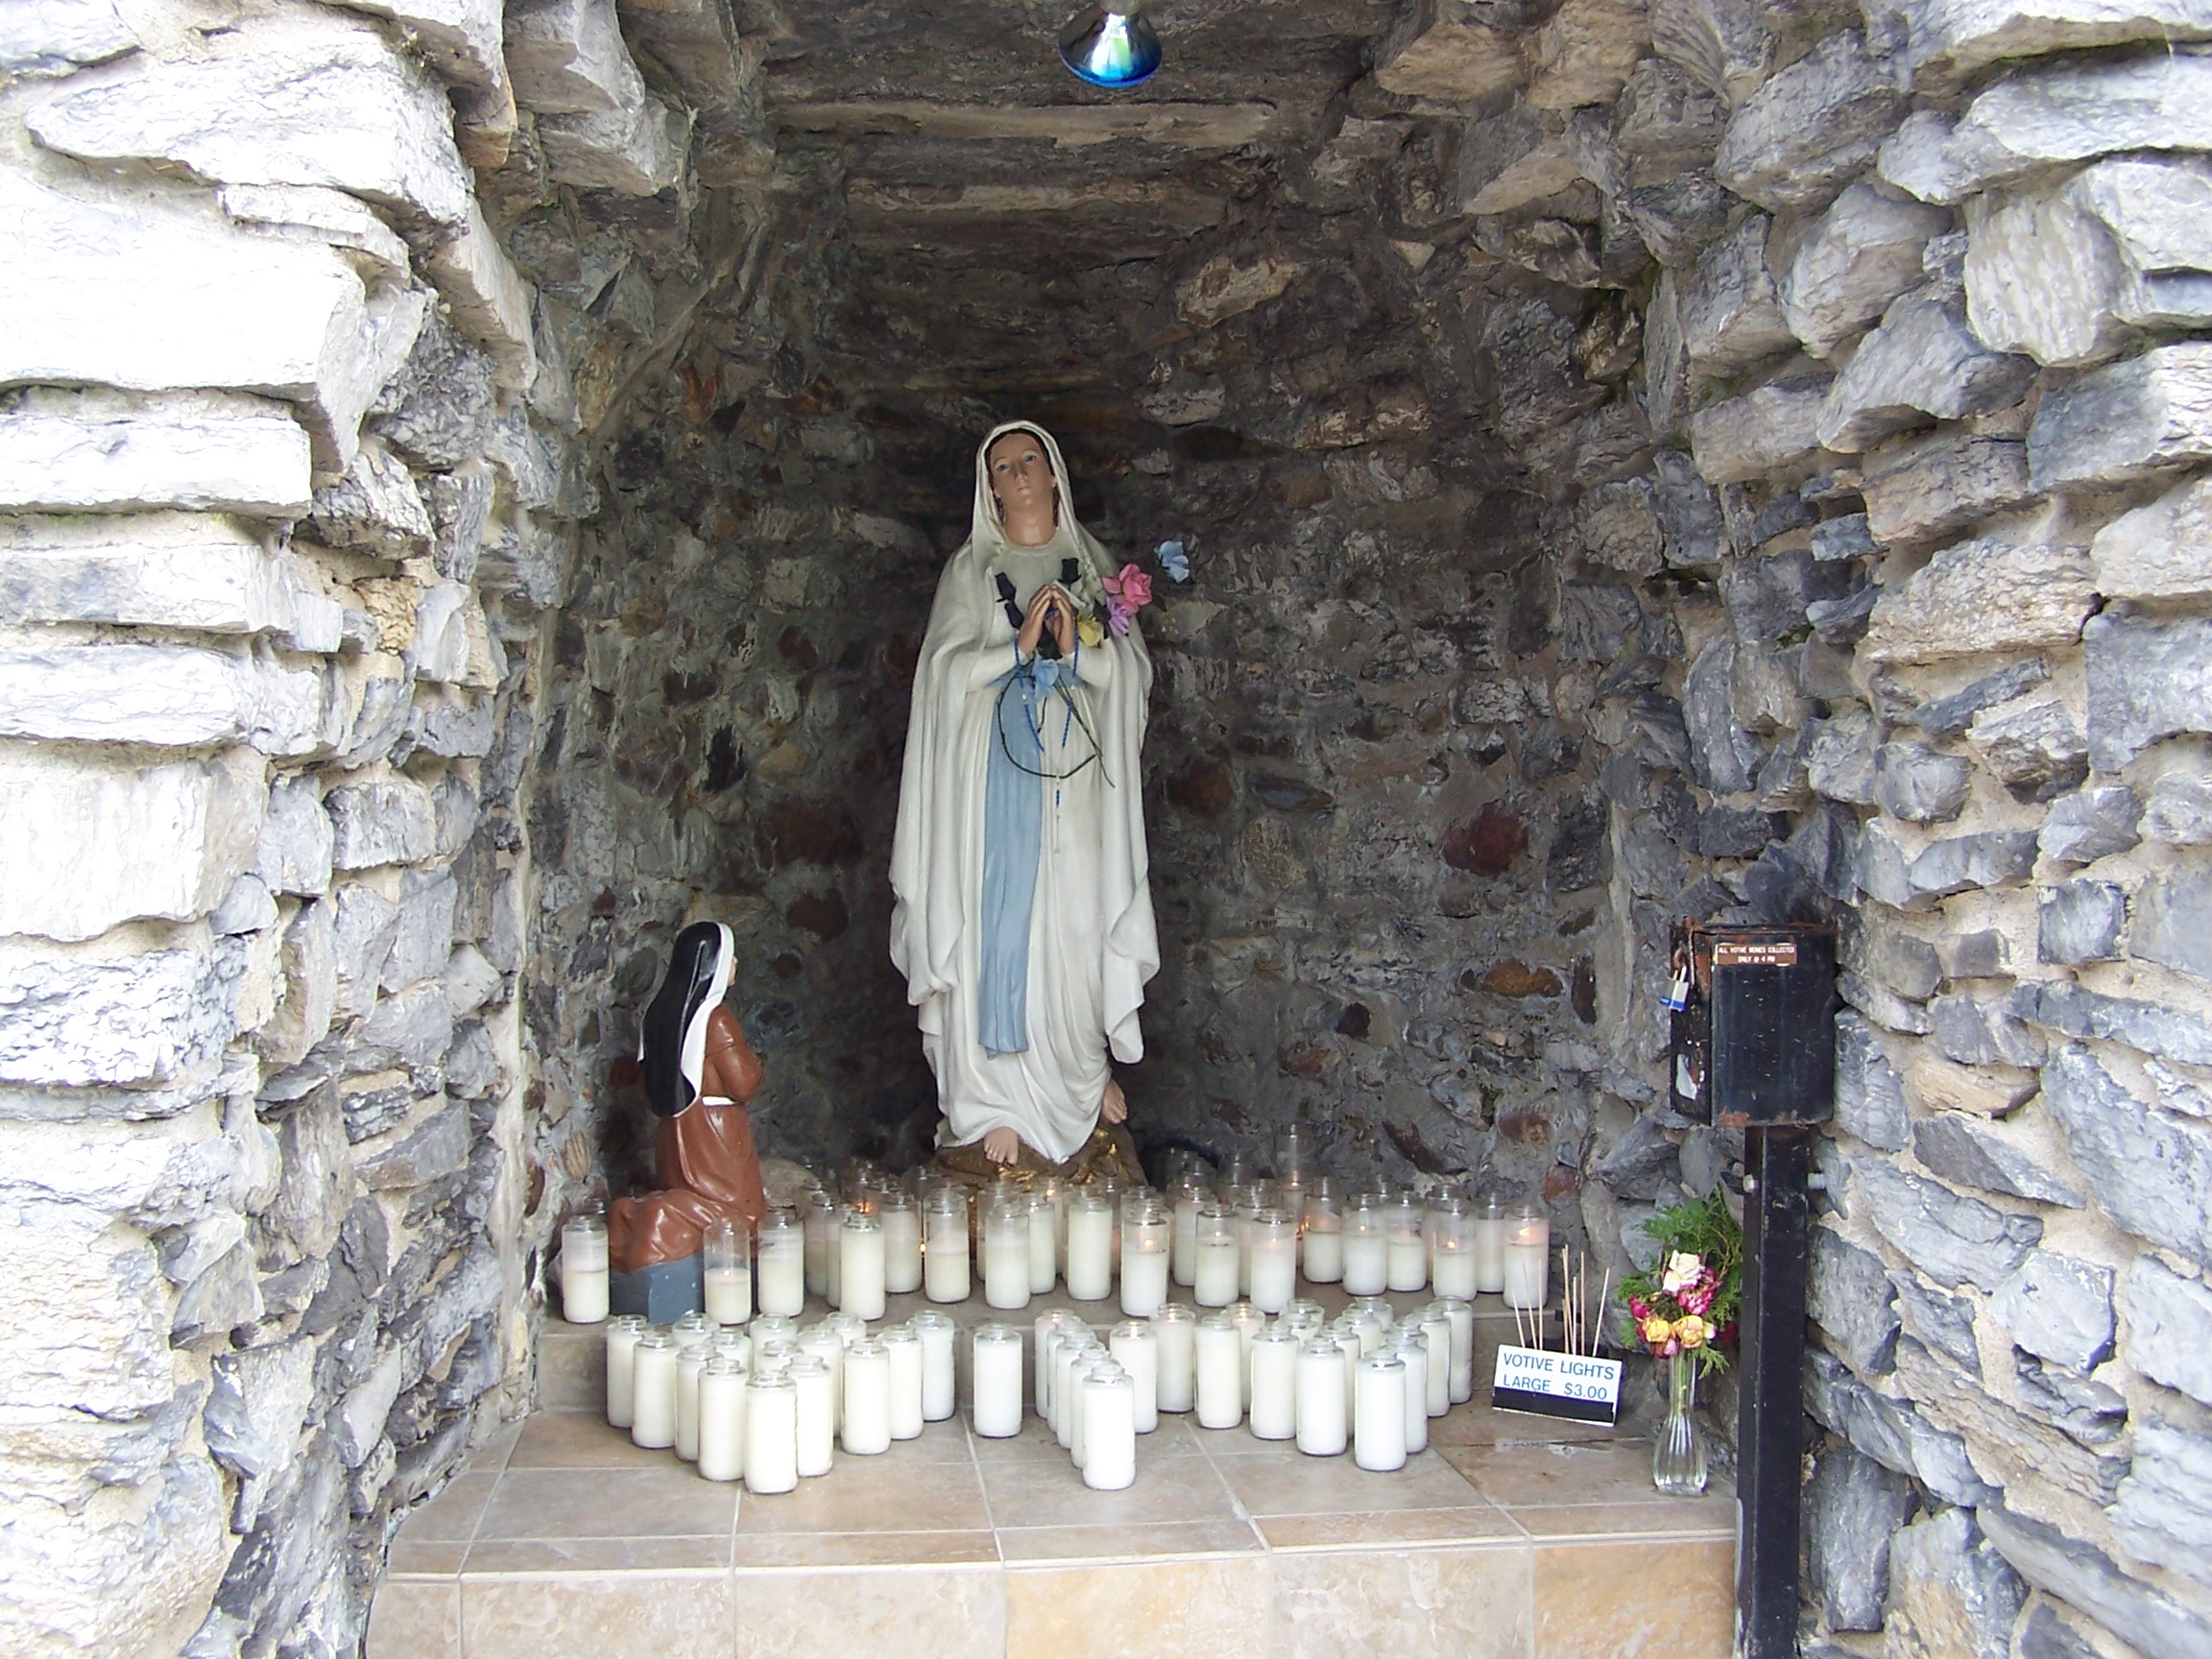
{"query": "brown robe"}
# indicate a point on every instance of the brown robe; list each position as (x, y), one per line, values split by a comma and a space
(703, 1159)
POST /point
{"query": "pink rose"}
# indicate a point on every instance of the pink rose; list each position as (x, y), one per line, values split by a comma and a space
(1133, 586)
(1697, 1298)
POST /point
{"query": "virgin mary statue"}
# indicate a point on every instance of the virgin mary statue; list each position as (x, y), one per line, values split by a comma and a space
(1021, 914)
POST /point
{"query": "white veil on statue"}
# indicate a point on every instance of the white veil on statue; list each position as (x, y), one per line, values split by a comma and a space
(1091, 942)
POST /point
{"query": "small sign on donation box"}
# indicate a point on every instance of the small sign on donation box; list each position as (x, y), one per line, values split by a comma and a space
(1581, 1388)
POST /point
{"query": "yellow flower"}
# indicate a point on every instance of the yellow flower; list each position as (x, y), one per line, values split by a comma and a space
(1656, 1331)
(1692, 1330)
(1089, 631)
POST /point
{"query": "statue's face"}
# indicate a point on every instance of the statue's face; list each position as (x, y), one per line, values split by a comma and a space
(1020, 477)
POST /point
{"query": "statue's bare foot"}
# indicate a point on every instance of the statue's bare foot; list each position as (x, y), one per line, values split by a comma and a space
(1114, 1107)
(1002, 1147)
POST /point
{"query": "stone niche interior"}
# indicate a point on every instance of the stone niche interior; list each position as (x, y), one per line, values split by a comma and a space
(474, 480)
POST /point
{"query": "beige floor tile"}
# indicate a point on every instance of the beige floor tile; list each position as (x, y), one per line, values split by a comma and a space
(1128, 1543)
(1167, 1490)
(1289, 1483)
(571, 1369)
(759, 1551)
(666, 1503)
(492, 1556)
(1612, 1472)
(622, 1616)
(873, 1494)
(1642, 1600)
(900, 1612)
(491, 1456)
(937, 1443)
(425, 1558)
(1207, 1606)
(454, 1514)
(416, 1619)
(1477, 1425)
(1393, 1529)
(1470, 1604)
(1712, 1515)
(581, 1440)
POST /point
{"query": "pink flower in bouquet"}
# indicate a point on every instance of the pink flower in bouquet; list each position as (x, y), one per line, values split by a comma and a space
(1639, 1308)
(1133, 587)
(1699, 1296)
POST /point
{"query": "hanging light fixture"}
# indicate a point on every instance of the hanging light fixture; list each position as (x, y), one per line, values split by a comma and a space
(1109, 44)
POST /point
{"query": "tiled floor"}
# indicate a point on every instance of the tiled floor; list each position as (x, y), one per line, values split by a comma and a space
(1511, 1537)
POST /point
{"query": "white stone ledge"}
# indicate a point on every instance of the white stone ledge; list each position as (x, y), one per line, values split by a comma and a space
(163, 697)
(75, 451)
(180, 571)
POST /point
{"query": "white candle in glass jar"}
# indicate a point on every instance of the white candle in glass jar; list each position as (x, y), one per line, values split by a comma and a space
(1528, 1258)
(1249, 1322)
(583, 1278)
(903, 1349)
(1322, 1243)
(622, 1333)
(1367, 1252)
(902, 1243)
(1413, 1348)
(1096, 1363)
(821, 1233)
(1176, 1328)
(1136, 1348)
(936, 1331)
(1089, 1248)
(771, 1433)
(1274, 1368)
(861, 1265)
(653, 1390)
(722, 1419)
(781, 1255)
(821, 1343)
(1378, 1429)
(865, 1426)
(1348, 1355)
(1215, 1279)
(1489, 1243)
(1407, 1264)
(1043, 1246)
(1109, 1428)
(1183, 1258)
(814, 1391)
(1006, 1255)
(1461, 1313)
(1075, 1348)
(1436, 1327)
(690, 1362)
(1219, 1358)
(1146, 1243)
(1274, 1261)
(1452, 1248)
(997, 1381)
(945, 1264)
(727, 1250)
(1045, 1342)
(1321, 1412)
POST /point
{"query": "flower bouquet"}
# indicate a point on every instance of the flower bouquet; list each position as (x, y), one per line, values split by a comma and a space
(1684, 1308)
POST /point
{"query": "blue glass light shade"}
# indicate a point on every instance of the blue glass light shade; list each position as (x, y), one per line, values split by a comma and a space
(1110, 45)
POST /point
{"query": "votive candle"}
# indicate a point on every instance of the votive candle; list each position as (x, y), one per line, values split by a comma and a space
(814, 1394)
(653, 1396)
(782, 1257)
(1274, 1369)
(771, 1433)
(1436, 1327)
(998, 1369)
(865, 1427)
(1461, 1313)
(1044, 1244)
(1146, 1243)
(728, 1249)
(1274, 1261)
(1135, 1346)
(622, 1333)
(1075, 1348)
(1109, 1428)
(1528, 1258)
(935, 1332)
(1348, 1355)
(1321, 1410)
(722, 1419)
(1089, 1248)
(1006, 1255)
(1216, 1277)
(1176, 1328)
(1412, 1347)
(1452, 1247)
(821, 1232)
(1046, 1334)
(1408, 1260)
(1322, 1241)
(945, 1269)
(1489, 1243)
(583, 1279)
(691, 1364)
(1219, 1356)
(903, 1349)
(901, 1220)
(1366, 1251)
(861, 1265)
(1191, 1198)
(1379, 1432)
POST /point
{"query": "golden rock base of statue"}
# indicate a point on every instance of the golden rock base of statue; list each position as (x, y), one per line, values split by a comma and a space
(1110, 1153)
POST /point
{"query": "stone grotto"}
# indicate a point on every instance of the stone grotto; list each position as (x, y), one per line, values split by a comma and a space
(474, 477)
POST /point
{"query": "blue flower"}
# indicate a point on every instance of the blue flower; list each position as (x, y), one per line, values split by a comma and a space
(1174, 561)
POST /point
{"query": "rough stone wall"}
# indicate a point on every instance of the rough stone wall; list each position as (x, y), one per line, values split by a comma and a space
(311, 315)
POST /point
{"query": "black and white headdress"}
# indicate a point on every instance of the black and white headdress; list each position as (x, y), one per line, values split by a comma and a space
(672, 1046)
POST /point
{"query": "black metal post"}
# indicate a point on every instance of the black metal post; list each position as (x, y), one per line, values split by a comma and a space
(1768, 1432)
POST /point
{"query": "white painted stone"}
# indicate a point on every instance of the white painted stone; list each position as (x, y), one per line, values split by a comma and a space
(460, 38)
(150, 299)
(1916, 158)
(2158, 551)
(388, 821)
(162, 696)
(566, 58)
(311, 213)
(1983, 596)
(2141, 416)
(138, 1020)
(93, 451)
(60, 37)
(160, 569)
(1959, 37)
(304, 97)
(294, 852)
(309, 964)
(489, 300)
(1747, 436)
(471, 981)
(1863, 253)
(1922, 363)
(258, 1403)
(85, 848)
(1811, 128)
(634, 151)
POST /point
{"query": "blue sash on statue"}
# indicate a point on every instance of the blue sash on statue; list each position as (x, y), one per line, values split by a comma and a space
(1013, 837)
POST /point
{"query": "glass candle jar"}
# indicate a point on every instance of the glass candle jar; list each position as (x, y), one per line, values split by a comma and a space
(1147, 1243)
(1304, 1317)
(820, 1215)
(1293, 1154)
(945, 1271)
(622, 1333)
(1215, 1282)
(1176, 1327)
(1321, 1409)
(1349, 1355)
(1435, 1324)
(691, 1364)
(1219, 1356)
(1097, 1362)
(583, 1277)
(1378, 1418)
(935, 1333)
(771, 1433)
(1451, 1230)
(1274, 1370)
(1006, 1254)
(860, 1265)
(1408, 1261)
(1529, 1257)
(1249, 1322)
(722, 1419)
(1045, 1210)
(815, 1397)
(781, 1253)
(1188, 1197)
(1411, 1346)
(1367, 1250)
(1136, 1348)
(653, 1390)
(728, 1252)
(1074, 1348)
(1459, 1314)
(1090, 1247)
(864, 1423)
(1322, 1241)
(1489, 1243)
(997, 1373)
(1109, 1428)
(1249, 1203)
(1052, 1326)
(901, 1220)
(1274, 1261)
(903, 1349)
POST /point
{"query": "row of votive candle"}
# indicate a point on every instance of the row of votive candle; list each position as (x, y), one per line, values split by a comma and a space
(768, 1403)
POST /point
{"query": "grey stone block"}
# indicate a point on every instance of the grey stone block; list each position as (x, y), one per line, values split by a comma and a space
(2079, 922)
(1812, 129)
(1992, 858)
(1948, 716)
(2083, 1576)
(2174, 920)
(391, 822)
(1951, 1594)
(2129, 419)
(1863, 253)
(2169, 1328)
(1848, 1296)
(2060, 1309)
(662, 1292)
(2079, 1012)
(2033, 745)
(1852, 1506)
(1922, 363)
(1944, 1323)
(1983, 596)
(2179, 810)
(2150, 1170)
(1975, 1152)
(1914, 782)
(1869, 1094)
(1979, 1033)
(2160, 1516)
(2091, 824)
(1891, 1431)
(1952, 1238)
(2147, 679)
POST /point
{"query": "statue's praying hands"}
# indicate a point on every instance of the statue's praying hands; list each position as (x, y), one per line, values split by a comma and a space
(1049, 607)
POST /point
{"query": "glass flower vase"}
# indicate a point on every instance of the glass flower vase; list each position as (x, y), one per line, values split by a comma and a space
(1678, 1454)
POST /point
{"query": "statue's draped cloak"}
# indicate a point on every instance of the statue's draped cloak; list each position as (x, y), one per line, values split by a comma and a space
(1093, 944)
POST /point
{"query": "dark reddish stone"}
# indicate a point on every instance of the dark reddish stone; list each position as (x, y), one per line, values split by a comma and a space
(1527, 1125)
(1416, 1151)
(1512, 977)
(1487, 843)
(798, 830)
(1561, 1182)
(796, 649)
(681, 689)
(787, 966)
(1204, 788)
(901, 653)
(821, 914)
(1355, 1021)
(818, 397)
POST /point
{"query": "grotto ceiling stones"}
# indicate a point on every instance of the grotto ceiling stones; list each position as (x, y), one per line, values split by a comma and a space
(473, 475)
